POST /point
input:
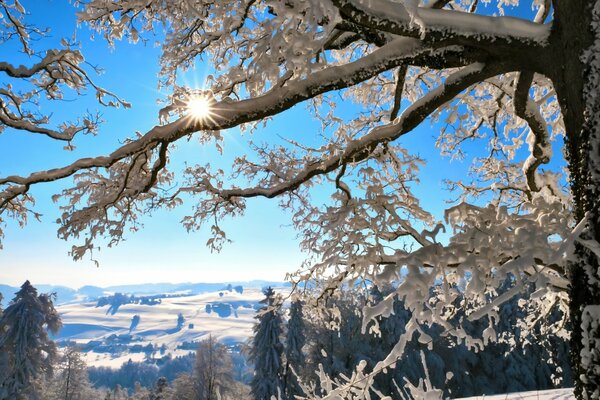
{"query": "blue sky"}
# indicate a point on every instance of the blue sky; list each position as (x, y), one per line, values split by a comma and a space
(264, 245)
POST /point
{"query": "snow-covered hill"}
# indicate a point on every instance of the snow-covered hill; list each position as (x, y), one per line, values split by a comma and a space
(110, 339)
(70, 295)
(556, 394)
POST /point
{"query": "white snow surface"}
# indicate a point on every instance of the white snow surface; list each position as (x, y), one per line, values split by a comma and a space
(85, 322)
(556, 394)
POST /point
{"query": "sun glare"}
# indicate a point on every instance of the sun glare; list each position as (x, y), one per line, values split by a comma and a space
(199, 107)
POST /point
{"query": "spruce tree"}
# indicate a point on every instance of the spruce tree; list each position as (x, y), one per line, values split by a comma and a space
(266, 351)
(27, 350)
(294, 356)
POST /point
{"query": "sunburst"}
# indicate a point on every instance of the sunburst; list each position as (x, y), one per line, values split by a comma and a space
(199, 107)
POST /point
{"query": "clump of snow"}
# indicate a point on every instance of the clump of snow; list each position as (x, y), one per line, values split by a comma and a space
(556, 394)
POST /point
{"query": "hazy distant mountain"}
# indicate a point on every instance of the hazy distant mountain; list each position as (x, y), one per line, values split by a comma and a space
(91, 292)
(63, 294)
(188, 287)
(66, 295)
(8, 292)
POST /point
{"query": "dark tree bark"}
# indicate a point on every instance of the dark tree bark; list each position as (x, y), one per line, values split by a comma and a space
(574, 77)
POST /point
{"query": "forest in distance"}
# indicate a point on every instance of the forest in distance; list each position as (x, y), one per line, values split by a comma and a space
(424, 174)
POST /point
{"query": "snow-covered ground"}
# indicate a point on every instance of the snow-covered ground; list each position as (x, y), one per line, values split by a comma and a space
(226, 315)
(557, 394)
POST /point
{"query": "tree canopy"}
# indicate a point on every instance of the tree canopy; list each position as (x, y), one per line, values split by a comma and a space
(514, 86)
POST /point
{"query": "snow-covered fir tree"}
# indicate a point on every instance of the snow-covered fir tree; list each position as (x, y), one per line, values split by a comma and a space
(266, 350)
(509, 363)
(295, 340)
(27, 351)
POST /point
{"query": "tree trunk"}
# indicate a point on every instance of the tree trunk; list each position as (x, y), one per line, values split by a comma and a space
(577, 81)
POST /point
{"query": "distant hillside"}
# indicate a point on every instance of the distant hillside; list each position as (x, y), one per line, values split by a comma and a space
(8, 292)
(65, 295)
(119, 327)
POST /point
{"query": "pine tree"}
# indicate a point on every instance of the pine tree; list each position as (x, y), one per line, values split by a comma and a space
(294, 356)
(266, 351)
(27, 350)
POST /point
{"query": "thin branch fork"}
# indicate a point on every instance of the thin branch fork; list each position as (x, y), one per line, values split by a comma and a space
(22, 71)
(360, 149)
(528, 110)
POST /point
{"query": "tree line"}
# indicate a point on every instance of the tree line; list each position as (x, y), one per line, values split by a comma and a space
(288, 346)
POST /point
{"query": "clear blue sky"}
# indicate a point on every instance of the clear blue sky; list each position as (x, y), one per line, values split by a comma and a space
(264, 245)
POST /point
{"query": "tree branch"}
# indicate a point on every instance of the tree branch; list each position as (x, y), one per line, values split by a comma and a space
(360, 149)
(230, 114)
(506, 35)
(400, 77)
(539, 145)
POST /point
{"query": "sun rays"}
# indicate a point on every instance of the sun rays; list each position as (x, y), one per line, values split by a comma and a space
(199, 108)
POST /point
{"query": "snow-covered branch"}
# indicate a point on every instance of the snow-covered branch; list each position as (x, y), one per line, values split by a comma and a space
(435, 25)
(538, 139)
(227, 114)
(358, 150)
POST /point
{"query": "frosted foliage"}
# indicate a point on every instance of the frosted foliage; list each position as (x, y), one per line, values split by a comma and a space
(27, 351)
(295, 358)
(46, 76)
(266, 350)
(251, 42)
(349, 188)
(212, 372)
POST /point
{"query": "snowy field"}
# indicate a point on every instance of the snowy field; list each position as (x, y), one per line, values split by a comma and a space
(226, 315)
(558, 394)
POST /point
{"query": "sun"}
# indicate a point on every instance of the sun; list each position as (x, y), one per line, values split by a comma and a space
(199, 107)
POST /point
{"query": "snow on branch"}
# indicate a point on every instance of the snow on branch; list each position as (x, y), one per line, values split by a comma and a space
(227, 114)
(538, 139)
(359, 149)
(442, 25)
(56, 69)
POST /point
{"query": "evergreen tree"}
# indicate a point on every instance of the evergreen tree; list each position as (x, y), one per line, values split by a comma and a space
(70, 380)
(160, 389)
(27, 350)
(180, 321)
(266, 351)
(294, 356)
